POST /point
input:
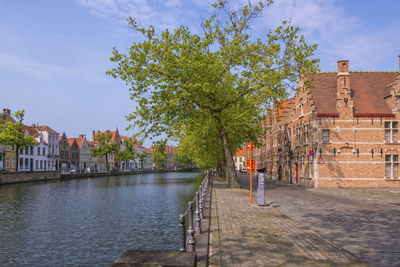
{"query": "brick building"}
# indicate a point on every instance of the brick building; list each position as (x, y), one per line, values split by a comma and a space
(339, 130)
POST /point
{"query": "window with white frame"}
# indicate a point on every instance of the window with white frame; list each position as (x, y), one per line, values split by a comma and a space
(26, 163)
(325, 136)
(21, 163)
(391, 166)
(391, 131)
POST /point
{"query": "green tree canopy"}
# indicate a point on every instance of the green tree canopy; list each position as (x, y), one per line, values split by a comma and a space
(223, 77)
(11, 133)
(159, 156)
(104, 147)
(129, 152)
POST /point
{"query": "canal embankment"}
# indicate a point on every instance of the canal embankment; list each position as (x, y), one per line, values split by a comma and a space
(26, 177)
(91, 222)
(194, 226)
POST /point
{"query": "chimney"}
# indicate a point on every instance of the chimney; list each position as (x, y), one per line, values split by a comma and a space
(343, 67)
(344, 103)
(81, 136)
(34, 125)
(6, 111)
(94, 136)
(343, 79)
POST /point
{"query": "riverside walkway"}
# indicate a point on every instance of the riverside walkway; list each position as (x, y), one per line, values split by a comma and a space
(244, 234)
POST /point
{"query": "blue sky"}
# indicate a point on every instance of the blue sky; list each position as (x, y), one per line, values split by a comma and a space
(53, 53)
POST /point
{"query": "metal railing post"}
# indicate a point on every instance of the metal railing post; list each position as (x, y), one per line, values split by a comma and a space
(191, 247)
(197, 224)
(201, 200)
(182, 245)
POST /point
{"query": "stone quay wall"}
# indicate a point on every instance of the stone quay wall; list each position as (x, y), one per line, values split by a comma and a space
(22, 177)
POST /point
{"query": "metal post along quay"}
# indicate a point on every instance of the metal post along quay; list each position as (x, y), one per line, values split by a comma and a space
(250, 164)
(192, 226)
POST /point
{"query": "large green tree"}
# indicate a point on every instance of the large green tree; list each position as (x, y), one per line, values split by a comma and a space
(224, 76)
(159, 153)
(11, 133)
(104, 147)
(129, 152)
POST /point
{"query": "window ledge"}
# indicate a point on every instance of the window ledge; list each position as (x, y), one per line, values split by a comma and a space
(327, 142)
(390, 143)
(392, 179)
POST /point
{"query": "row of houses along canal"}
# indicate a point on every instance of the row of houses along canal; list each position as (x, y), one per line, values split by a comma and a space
(92, 221)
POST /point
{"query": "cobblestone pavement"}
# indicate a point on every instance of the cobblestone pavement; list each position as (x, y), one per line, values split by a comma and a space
(244, 234)
(365, 222)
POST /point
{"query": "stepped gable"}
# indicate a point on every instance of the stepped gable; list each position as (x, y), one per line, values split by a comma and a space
(369, 90)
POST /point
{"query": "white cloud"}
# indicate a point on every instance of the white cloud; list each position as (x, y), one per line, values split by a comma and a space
(9, 62)
(339, 34)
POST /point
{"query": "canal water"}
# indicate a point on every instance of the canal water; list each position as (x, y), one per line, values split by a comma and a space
(90, 222)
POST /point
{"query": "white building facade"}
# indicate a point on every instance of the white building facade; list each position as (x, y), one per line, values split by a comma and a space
(51, 138)
(34, 158)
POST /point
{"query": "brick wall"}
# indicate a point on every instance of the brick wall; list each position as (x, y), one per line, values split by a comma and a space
(355, 154)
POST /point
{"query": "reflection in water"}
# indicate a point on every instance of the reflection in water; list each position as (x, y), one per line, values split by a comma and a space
(91, 221)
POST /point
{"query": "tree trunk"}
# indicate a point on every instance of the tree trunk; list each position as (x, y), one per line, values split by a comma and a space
(17, 156)
(222, 166)
(230, 173)
(107, 167)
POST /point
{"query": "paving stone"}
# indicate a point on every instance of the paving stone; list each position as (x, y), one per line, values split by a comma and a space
(362, 221)
(245, 234)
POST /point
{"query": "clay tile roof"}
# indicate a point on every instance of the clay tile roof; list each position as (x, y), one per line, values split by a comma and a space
(31, 130)
(113, 135)
(79, 141)
(149, 150)
(368, 90)
(45, 128)
(240, 153)
(71, 141)
(283, 106)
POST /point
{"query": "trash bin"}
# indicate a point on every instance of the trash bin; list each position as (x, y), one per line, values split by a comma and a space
(261, 189)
